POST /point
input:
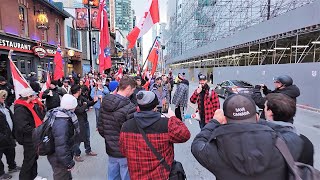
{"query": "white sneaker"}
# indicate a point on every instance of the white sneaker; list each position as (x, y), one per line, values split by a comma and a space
(40, 178)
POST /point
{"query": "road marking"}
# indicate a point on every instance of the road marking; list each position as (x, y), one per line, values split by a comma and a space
(190, 121)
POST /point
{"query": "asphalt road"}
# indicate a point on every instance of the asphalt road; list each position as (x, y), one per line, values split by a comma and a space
(95, 168)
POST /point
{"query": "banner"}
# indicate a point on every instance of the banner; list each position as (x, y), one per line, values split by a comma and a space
(81, 19)
(94, 19)
(112, 8)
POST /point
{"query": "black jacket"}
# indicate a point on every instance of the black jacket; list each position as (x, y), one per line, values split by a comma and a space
(6, 135)
(299, 145)
(54, 100)
(115, 110)
(63, 134)
(81, 112)
(23, 124)
(244, 151)
(291, 91)
(11, 96)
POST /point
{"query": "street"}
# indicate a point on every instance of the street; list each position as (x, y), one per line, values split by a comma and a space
(95, 168)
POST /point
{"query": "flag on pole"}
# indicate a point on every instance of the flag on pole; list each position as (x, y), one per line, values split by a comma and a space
(119, 74)
(46, 85)
(150, 17)
(58, 70)
(19, 82)
(104, 51)
(154, 55)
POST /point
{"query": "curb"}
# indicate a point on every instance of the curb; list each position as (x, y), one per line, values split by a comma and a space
(305, 107)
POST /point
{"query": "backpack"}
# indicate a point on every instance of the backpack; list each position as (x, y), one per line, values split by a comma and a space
(297, 170)
(43, 138)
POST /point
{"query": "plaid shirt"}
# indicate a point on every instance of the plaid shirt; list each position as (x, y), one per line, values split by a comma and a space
(211, 104)
(142, 163)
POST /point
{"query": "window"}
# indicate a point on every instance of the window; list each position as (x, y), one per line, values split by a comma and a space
(0, 20)
(58, 34)
(44, 35)
(73, 38)
(23, 17)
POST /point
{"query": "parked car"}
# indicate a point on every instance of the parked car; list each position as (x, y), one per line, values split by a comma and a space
(229, 87)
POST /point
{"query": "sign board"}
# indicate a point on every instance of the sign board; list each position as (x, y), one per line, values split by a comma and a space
(94, 19)
(40, 51)
(81, 21)
(112, 8)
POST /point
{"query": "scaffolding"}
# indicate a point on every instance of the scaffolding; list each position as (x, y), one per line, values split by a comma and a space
(206, 21)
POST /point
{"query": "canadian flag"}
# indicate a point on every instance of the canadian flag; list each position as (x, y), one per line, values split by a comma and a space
(119, 74)
(19, 82)
(154, 55)
(150, 17)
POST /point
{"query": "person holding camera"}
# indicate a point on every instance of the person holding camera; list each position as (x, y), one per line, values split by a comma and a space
(162, 132)
(207, 100)
(283, 84)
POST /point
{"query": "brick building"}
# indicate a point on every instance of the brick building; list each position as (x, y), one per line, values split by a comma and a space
(25, 23)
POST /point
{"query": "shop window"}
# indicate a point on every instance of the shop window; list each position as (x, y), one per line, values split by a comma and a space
(23, 17)
(73, 38)
(22, 67)
(29, 67)
(57, 31)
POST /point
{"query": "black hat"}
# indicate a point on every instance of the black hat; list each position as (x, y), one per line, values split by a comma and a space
(202, 77)
(54, 83)
(284, 79)
(239, 108)
(137, 77)
(2, 79)
(147, 100)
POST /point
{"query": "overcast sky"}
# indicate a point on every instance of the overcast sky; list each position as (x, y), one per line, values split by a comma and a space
(139, 6)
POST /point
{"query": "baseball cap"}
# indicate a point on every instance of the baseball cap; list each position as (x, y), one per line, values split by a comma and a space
(26, 92)
(202, 77)
(239, 108)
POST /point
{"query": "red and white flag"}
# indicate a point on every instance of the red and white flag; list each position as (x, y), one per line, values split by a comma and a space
(45, 85)
(154, 55)
(19, 82)
(150, 17)
(119, 74)
(104, 51)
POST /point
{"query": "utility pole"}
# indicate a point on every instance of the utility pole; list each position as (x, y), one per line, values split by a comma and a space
(269, 9)
(90, 35)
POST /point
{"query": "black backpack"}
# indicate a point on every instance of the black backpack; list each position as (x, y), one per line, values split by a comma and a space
(42, 136)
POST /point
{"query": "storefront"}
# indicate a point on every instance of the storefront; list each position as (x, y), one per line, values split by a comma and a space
(28, 56)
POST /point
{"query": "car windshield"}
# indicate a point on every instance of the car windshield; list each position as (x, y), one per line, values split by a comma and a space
(241, 83)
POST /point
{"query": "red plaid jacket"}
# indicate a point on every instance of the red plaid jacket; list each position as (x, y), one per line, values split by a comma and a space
(211, 104)
(142, 163)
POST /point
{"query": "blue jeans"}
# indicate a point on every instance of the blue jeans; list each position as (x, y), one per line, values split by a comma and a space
(97, 111)
(86, 142)
(118, 169)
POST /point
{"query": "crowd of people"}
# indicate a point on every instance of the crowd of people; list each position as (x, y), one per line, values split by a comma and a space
(134, 118)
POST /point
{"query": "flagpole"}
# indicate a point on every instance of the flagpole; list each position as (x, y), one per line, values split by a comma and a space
(149, 53)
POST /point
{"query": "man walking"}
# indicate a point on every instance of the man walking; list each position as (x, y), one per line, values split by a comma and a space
(234, 146)
(207, 100)
(180, 97)
(81, 112)
(162, 132)
(64, 129)
(7, 142)
(98, 91)
(25, 119)
(116, 109)
(66, 88)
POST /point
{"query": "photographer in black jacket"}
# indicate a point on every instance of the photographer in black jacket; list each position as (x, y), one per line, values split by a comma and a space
(52, 96)
(283, 84)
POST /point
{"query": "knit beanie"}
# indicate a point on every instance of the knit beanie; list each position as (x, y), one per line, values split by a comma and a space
(68, 102)
(147, 100)
(113, 85)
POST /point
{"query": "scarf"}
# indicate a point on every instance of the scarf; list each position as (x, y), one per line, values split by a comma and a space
(74, 119)
(37, 120)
